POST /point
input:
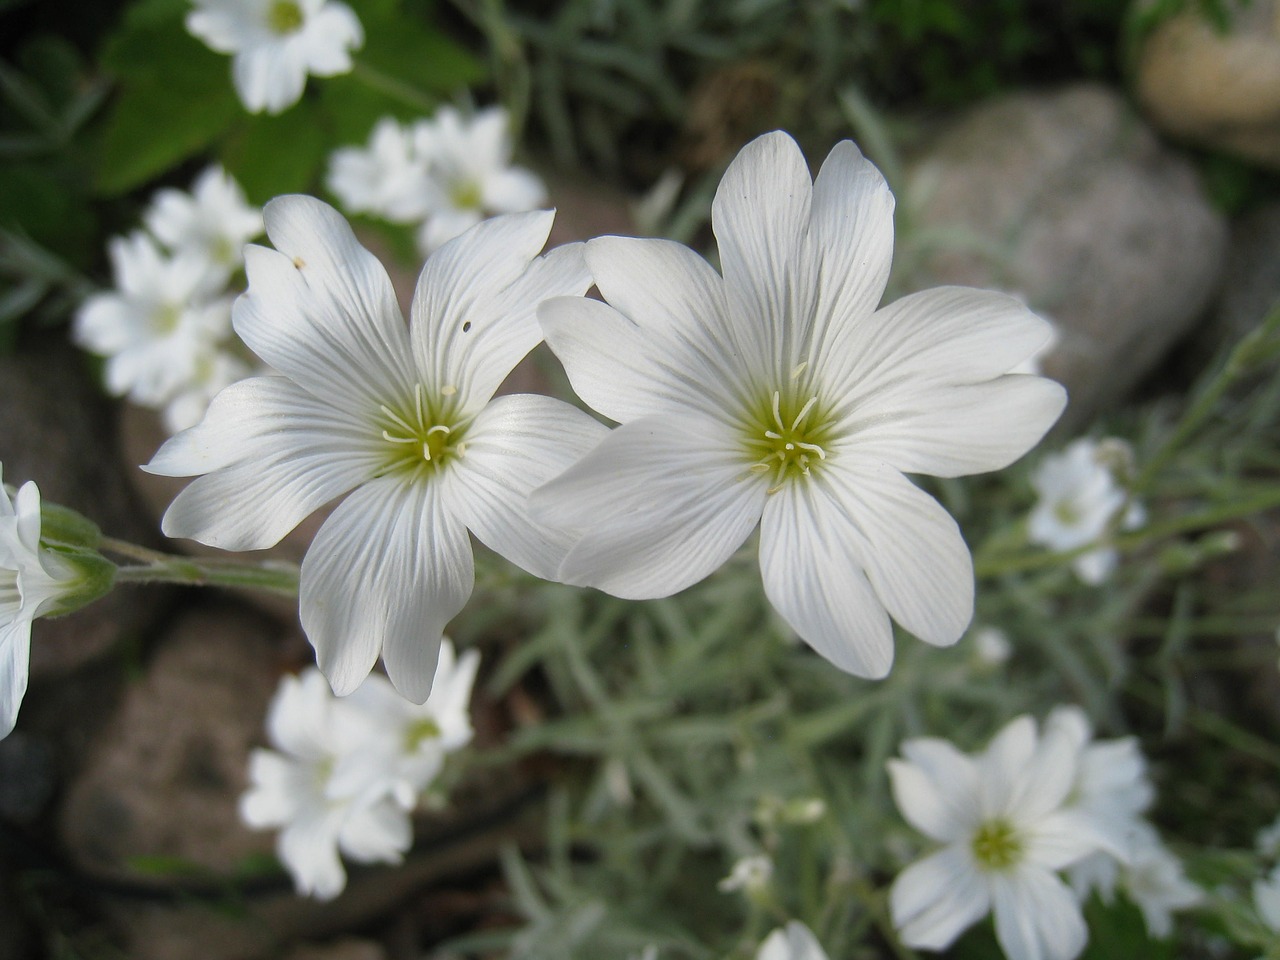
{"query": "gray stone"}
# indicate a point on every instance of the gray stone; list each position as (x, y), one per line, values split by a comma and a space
(164, 775)
(1251, 284)
(59, 431)
(1214, 87)
(1066, 199)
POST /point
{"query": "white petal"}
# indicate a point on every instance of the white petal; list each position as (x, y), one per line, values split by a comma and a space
(1060, 839)
(268, 77)
(936, 899)
(513, 191)
(852, 237)
(475, 306)
(308, 847)
(322, 310)
(374, 832)
(955, 431)
(518, 443)
(1037, 918)
(760, 217)
(386, 572)
(1003, 764)
(292, 455)
(814, 580)
(330, 35)
(909, 546)
(15, 658)
(660, 508)
(272, 800)
(939, 801)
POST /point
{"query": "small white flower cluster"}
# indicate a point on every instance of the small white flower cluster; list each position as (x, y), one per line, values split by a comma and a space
(166, 327)
(1014, 816)
(277, 44)
(31, 579)
(445, 174)
(346, 773)
(1082, 499)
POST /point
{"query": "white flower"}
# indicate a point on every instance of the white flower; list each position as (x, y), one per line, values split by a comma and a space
(749, 874)
(1266, 899)
(794, 942)
(1153, 878)
(421, 735)
(213, 220)
(398, 418)
(1079, 500)
(778, 395)
(1006, 832)
(215, 369)
(156, 323)
(991, 646)
(469, 160)
(387, 179)
(324, 785)
(1268, 840)
(277, 43)
(31, 578)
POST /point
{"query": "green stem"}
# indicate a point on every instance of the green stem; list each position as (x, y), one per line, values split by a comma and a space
(876, 904)
(272, 576)
(1242, 358)
(396, 89)
(1212, 517)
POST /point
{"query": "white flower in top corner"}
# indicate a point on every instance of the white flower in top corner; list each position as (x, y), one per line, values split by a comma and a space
(470, 173)
(1006, 830)
(387, 179)
(157, 322)
(276, 44)
(31, 579)
(323, 787)
(1080, 499)
(422, 735)
(213, 220)
(793, 942)
(778, 396)
(397, 418)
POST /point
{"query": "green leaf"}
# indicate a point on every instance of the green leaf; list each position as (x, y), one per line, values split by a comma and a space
(413, 53)
(175, 98)
(274, 155)
(42, 205)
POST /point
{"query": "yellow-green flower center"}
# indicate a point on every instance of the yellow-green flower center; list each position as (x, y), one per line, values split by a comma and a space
(786, 439)
(466, 195)
(425, 436)
(997, 846)
(165, 320)
(285, 16)
(419, 732)
(1065, 512)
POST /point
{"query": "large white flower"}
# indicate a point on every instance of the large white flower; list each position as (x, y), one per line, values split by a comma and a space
(162, 317)
(470, 173)
(1079, 500)
(1006, 830)
(31, 579)
(399, 418)
(213, 220)
(277, 44)
(779, 395)
(325, 785)
(793, 942)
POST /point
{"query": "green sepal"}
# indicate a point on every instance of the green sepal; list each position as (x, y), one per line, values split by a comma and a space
(63, 527)
(87, 576)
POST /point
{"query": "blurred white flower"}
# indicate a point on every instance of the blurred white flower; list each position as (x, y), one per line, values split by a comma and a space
(213, 220)
(388, 178)
(31, 579)
(991, 646)
(470, 174)
(751, 875)
(420, 736)
(214, 370)
(325, 785)
(398, 418)
(158, 321)
(1153, 878)
(277, 43)
(1268, 839)
(1266, 899)
(1004, 818)
(793, 942)
(778, 396)
(1080, 498)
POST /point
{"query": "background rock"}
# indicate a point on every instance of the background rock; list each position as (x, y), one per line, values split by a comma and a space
(164, 776)
(1067, 200)
(1251, 283)
(1220, 89)
(59, 431)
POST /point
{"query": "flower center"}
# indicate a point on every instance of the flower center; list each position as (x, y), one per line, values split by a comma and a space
(424, 437)
(284, 17)
(466, 195)
(997, 846)
(1065, 512)
(166, 319)
(419, 732)
(786, 442)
